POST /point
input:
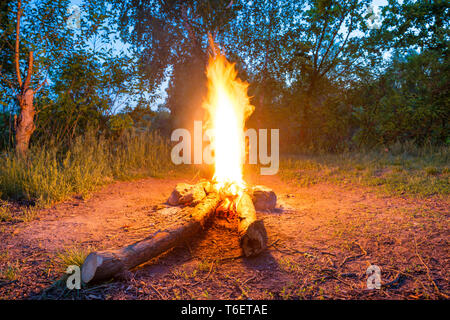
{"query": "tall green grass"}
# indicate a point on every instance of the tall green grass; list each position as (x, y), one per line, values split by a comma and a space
(399, 169)
(51, 174)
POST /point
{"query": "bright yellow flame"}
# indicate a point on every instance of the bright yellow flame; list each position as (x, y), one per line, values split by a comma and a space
(228, 107)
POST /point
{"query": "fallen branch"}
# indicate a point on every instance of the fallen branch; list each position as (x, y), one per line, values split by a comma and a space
(157, 292)
(436, 288)
(346, 259)
(396, 281)
(231, 258)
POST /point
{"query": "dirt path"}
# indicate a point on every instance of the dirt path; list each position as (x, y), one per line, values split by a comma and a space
(323, 239)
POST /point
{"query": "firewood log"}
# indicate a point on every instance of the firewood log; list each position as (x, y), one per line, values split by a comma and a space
(263, 198)
(252, 233)
(104, 265)
(187, 194)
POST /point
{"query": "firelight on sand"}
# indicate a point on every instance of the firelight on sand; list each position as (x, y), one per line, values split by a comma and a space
(228, 107)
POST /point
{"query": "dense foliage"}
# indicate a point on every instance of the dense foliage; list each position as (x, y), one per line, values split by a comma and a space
(317, 69)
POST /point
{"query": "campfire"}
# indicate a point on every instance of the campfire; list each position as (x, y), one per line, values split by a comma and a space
(225, 196)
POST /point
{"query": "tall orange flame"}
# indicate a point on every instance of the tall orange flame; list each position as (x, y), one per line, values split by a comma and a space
(228, 107)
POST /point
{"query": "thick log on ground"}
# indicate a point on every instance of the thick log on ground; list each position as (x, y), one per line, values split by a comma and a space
(252, 233)
(104, 265)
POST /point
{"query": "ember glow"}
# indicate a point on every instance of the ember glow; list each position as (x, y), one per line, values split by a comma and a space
(228, 107)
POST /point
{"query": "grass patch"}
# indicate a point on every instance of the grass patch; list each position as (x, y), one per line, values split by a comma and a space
(9, 272)
(50, 175)
(26, 214)
(204, 266)
(4, 256)
(398, 170)
(5, 212)
(72, 256)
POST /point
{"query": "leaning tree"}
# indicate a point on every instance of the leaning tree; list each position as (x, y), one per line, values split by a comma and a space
(24, 124)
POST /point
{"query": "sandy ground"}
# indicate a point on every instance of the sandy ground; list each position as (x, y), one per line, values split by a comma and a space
(322, 240)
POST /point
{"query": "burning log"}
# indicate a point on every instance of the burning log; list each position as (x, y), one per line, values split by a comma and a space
(228, 106)
(188, 194)
(103, 265)
(252, 233)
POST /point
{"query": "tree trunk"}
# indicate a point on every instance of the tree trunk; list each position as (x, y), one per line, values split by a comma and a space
(25, 122)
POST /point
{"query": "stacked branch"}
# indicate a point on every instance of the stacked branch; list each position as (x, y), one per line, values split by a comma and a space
(201, 204)
(104, 265)
(252, 233)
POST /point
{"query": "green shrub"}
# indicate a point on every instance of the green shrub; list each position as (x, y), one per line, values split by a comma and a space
(402, 169)
(72, 256)
(51, 174)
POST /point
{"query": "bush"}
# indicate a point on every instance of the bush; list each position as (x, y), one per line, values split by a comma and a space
(401, 169)
(50, 174)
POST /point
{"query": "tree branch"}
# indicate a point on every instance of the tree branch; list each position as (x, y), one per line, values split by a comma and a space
(41, 85)
(7, 81)
(332, 40)
(16, 50)
(319, 44)
(29, 71)
(350, 30)
(3, 36)
(188, 26)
